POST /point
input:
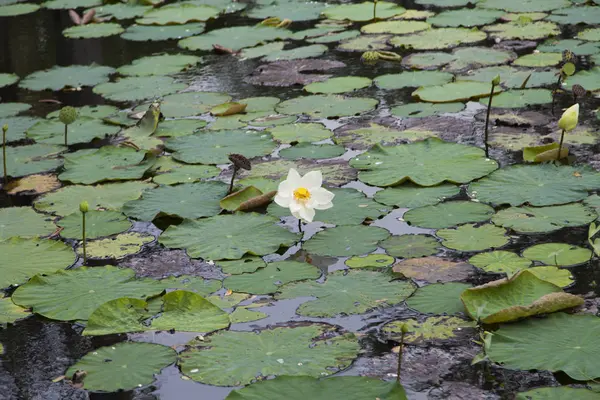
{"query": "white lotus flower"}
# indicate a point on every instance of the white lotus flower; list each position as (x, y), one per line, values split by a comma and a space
(569, 119)
(304, 194)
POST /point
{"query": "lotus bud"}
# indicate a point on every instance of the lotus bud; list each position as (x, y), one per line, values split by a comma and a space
(369, 57)
(67, 115)
(84, 207)
(4, 128)
(569, 119)
(404, 328)
(496, 80)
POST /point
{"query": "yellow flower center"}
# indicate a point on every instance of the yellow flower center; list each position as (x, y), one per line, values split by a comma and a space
(301, 194)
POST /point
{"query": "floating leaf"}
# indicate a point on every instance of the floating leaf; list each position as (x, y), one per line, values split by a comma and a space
(433, 269)
(420, 110)
(57, 78)
(338, 85)
(319, 106)
(138, 88)
(120, 11)
(243, 265)
(70, 4)
(558, 254)
(412, 79)
(366, 43)
(312, 151)
(544, 219)
(519, 6)
(295, 11)
(24, 222)
(354, 292)
(587, 79)
(235, 38)
(226, 236)
(559, 277)
(442, 38)
(311, 350)
(470, 238)
(513, 78)
(7, 79)
(233, 201)
(576, 15)
(557, 393)
(143, 33)
(370, 261)
(10, 313)
(539, 60)
(117, 247)
(500, 262)
(163, 64)
(120, 315)
(83, 130)
(18, 9)
(176, 14)
(296, 53)
(453, 92)
(578, 47)
(11, 109)
(449, 214)
(92, 31)
(425, 163)
(33, 185)
(530, 31)
(301, 133)
(363, 11)
(33, 159)
(98, 224)
(345, 241)
(465, 17)
(396, 27)
(436, 330)
(410, 246)
(439, 298)
(268, 280)
(123, 366)
(359, 137)
(411, 196)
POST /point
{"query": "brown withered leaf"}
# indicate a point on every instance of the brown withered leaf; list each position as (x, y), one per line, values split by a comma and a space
(434, 269)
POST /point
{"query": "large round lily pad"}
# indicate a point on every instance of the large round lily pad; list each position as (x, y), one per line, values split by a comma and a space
(449, 214)
(312, 349)
(97, 224)
(500, 261)
(227, 236)
(438, 298)
(442, 38)
(560, 342)
(465, 17)
(345, 241)
(9, 312)
(142, 33)
(123, 366)
(177, 14)
(421, 110)
(295, 11)
(138, 88)
(396, 27)
(340, 84)
(454, 92)
(235, 38)
(163, 64)
(557, 393)
(558, 254)
(410, 246)
(471, 238)
(531, 31)
(411, 196)
(412, 79)
(93, 31)
(433, 269)
(12, 109)
(24, 222)
(301, 133)
(520, 6)
(57, 78)
(426, 163)
(120, 11)
(355, 292)
(117, 247)
(363, 11)
(269, 279)
(18, 9)
(8, 79)
(83, 130)
(544, 219)
(327, 106)
(33, 159)
(538, 185)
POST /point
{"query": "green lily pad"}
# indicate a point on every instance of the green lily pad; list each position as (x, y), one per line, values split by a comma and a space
(53, 295)
(576, 15)
(117, 247)
(138, 88)
(92, 31)
(578, 47)
(241, 315)
(592, 34)
(120, 315)
(411, 196)
(301, 133)
(312, 151)
(96, 111)
(43, 256)
(410, 246)
(363, 11)
(178, 127)
(190, 200)
(420, 110)
(297, 53)
(83, 130)
(544, 219)
(57, 78)
(558, 254)
(32, 159)
(539, 60)
(313, 350)
(519, 6)
(171, 172)
(243, 265)
(226, 236)
(177, 14)
(143, 33)
(453, 92)
(335, 173)
(66, 200)
(500, 262)
(446, 215)
(70, 4)
(560, 342)
(365, 43)
(587, 79)
(520, 296)
(530, 31)
(445, 3)
(335, 37)
(433, 269)
(203, 287)
(426, 163)
(302, 387)
(164, 64)
(97, 224)
(24, 222)
(188, 104)
(370, 261)
(442, 38)
(295, 11)
(513, 78)
(471, 238)
(396, 27)
(10, 313)
(465, 17)
(8, 79)
(354, 292)
(558, 276)
(108, 163)
(327, 106)
(438, 298)
(214, 148)
(120, 11)
(235, 38)
(557, 393)
(338, 85)
(12, 109)
(269, 279)
(521, 98)
(345, 241)
(123, 366)
(436, 330)
(428, 60)
(18, 9)
(363, 137)
(412, 79)
(538, 185)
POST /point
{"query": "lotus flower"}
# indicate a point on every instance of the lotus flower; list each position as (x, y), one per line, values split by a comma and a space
(569, 119)
(304, 194)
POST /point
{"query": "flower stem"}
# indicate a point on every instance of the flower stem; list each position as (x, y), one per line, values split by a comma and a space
(487, 121)
(558, 82)
(374, 9)
(66, 131)
(562, 136)
(83, 234)
(400, 358)
(299, 225)
(235, 170)
(4, 154)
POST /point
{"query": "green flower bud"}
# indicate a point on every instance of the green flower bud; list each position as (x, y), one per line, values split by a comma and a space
(67, 115)
(370, 57)
(404, 328)
(84, 207)
(4, 127)
(496, 80)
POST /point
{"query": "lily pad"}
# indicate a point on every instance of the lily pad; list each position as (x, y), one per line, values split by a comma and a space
(345, 241)
(10, 313)
(437, 330)
(557, 393)
(578, 47)
(370, 261)
(189, 103)
(426, 163)
(12, 109)
(544, 219)
(24, 222)
(53, 295)
(117, 247)
(471, 238)
(243, 265)
(531, 31)
(433, 269)
(412, 79)
(123, 366)
(539, 60)
(226, 236)
(366, 43)
(33, 185)
(301, 133)
(558, 254)
(449, 214)
(576, 15)
(513, 78)
(396, 27)
(295, 11)
(465, 17)
(411, 196)
(453, 92)
(296, 53)
(92, 31)
(363, 11)
(316, 347)
(339, 85)
(70, 4)
(354, 292)
(138, 88)
(214, 148)
(97, 224)
(190, 200)
(558, 276)
(335, 173)
(268, 280)
(120, 315)
(8, 79)
(538, 185)
(234, 38)
(96, 111)
(421, 110)
(519, 6)
(164, 64)
(57, 78)
(442, 38)
(320, 106)
(33, 159)
(172, 173)
(520, 296)
(143, 33)
(177, 14)
(587, 79)
(108, 163)
(522, 98)
(438, 298)
(18, 9)
(83, 130)
(500, 261)
(410, 246)
(120, 11)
